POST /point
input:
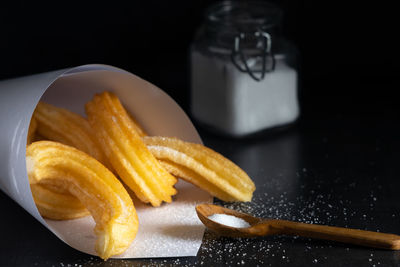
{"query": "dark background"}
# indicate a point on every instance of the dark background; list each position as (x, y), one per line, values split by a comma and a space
(347, 135)
(348, 50)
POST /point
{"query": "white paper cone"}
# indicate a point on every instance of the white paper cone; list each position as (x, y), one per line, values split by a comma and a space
(171, 230)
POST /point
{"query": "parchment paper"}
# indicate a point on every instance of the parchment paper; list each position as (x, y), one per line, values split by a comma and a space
(171, 230)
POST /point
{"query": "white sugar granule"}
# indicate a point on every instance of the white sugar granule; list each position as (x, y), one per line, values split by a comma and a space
(229, 220)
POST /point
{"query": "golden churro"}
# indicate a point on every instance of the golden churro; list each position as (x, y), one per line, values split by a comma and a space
(129, 156)
(94, 185)
(57, 206)
(203, 167)
(61, 125)
(192, 177)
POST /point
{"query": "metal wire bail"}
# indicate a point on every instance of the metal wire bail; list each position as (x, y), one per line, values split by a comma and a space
(266, 53)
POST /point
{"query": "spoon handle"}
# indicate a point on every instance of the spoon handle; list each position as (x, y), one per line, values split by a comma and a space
(345, 235)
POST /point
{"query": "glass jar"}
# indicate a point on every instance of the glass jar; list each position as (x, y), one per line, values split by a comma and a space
(243, 73)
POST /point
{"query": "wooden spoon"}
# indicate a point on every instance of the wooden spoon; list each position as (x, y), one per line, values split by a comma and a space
(263, 227)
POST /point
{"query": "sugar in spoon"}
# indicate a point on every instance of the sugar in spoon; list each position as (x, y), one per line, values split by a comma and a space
(264, 227)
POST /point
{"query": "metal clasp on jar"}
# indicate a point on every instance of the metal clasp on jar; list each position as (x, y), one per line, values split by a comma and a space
(240, 59)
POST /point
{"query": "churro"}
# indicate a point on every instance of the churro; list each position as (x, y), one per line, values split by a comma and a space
(57, 206)
(94, 185)
(203, 167)
(128, 155)
(61, 125)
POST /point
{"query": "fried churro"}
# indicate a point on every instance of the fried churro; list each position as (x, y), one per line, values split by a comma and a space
(61, 125)
(57, 206)
(94, 185)
(128, 155)
(203, 167)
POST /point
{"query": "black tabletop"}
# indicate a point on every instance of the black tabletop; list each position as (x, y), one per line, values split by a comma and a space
(334, 168)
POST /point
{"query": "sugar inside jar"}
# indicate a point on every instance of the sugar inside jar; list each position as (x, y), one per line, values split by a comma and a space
(244, 77)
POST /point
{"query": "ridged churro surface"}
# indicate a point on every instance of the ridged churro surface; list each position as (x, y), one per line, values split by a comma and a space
(94, 185)
(203, 167)
(129, 156)
(57, 206)
(61, 125)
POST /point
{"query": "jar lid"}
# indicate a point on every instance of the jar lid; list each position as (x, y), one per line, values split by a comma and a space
(243, 16)
(246, 30)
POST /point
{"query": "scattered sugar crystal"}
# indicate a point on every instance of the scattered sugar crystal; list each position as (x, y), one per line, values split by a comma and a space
(229, 220)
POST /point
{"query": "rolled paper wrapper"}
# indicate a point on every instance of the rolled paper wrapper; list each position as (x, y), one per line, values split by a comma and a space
(172, 230)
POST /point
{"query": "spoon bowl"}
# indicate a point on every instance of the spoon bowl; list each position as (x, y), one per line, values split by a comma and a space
(263, 227)
(206, 210)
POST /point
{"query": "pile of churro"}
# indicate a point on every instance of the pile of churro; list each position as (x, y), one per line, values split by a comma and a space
(80, 166)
